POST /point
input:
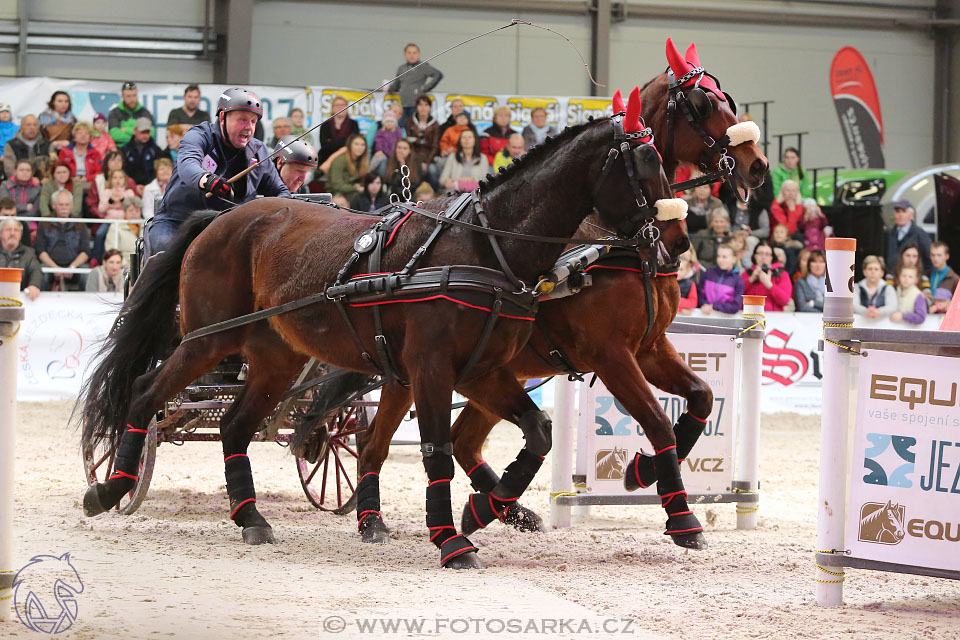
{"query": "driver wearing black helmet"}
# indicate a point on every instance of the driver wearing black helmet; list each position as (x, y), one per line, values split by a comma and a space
(209, 154)
(295, 159)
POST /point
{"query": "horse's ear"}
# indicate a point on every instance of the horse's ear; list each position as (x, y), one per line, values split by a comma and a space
(889, 504)
(691, 56)
(632, 121)
(677, 63)
(618, 102)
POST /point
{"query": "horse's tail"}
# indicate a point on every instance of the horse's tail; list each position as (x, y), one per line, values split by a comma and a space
(144, 333)
(327, 398)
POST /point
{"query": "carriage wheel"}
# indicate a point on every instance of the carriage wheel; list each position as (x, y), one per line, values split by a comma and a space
(98, 466)
(331, 482)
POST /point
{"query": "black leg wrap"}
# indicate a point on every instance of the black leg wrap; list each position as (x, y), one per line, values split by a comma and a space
(484, 508)
(453, 547)
(642, 472)
(128, 453)
(537, 431)
(483, 478)
(243, 496)
(368, 497)
(126, 472)
(439, 514)
(673, 497)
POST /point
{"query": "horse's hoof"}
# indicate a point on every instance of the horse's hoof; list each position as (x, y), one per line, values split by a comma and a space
(91, 502)
(524, 519)
(642, 466)
(259, 535)
(375, 533)
(690, 540)
(467, 560)
(468, 524)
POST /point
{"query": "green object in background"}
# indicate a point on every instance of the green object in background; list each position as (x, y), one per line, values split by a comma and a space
(825, 186)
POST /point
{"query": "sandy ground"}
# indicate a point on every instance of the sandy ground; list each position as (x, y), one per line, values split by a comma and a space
(178, 569)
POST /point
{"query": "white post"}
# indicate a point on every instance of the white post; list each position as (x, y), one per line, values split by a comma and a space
(564, 429)
(831, 505)
(9, 324)
(748, 442)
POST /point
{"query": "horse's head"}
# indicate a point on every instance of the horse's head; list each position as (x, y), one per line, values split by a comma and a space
(701, 124)
(632, 192)
(892, 519)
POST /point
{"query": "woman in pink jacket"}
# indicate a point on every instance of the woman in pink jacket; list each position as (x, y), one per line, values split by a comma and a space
(767, 278)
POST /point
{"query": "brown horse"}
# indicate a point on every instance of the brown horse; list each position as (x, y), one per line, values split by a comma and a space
(273, 251)
(602, 329)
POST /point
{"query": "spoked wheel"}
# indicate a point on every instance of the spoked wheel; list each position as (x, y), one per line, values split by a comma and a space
(331, 482)
(98, 466)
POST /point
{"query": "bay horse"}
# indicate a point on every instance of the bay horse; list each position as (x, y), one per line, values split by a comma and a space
(604, 329)
(271, 252)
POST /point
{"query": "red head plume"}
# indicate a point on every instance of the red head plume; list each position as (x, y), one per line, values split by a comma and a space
(677, 63)
(618, 102)
(632, 121)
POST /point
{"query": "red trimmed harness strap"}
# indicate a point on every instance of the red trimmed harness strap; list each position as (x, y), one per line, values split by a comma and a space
(123, 474)
(237, 508)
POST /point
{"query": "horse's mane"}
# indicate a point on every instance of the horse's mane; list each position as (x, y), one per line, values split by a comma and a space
(535, 154)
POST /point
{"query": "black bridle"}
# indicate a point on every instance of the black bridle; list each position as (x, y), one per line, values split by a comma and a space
(696, 106)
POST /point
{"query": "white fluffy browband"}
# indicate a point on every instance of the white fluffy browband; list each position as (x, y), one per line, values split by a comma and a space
(743, 132)
(671, 209)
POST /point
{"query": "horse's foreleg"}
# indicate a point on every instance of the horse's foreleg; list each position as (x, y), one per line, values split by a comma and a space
(469, 432)
(623, 378)
(666, 370)
(394, 402)
(501, 393)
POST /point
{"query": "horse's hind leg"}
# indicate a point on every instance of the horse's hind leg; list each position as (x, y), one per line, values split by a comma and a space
(469, 432)
(501, 393)
(394, 402)
(150, 391)
(665, 369)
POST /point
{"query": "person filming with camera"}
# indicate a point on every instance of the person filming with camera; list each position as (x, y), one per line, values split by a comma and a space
(768, 278)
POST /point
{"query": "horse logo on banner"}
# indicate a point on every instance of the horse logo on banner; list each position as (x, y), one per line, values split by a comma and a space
(610, 463)
(882, 523)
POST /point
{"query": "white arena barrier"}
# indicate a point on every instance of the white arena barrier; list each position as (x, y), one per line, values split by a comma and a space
(11, 315)
(723, 466)
(889, 452)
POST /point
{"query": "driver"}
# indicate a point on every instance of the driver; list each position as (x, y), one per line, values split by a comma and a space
(295, 159)
(210, 153)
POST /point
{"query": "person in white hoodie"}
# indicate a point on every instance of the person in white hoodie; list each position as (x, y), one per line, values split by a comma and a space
(154, 191)
(873, 297)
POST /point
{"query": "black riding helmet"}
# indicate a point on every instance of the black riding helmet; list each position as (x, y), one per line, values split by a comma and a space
(297, 151)
(237, 99)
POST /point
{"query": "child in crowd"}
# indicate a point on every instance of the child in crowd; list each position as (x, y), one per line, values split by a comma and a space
(100, 138)
(801, 271)
(721, 289)
(123, 237)
(384, 142)
(688, 286)
(813, 225)
(780, 239)
(911, 305)
(873, 297)
(808, 291)
(910, 257)
(8, 128)
(296, 121)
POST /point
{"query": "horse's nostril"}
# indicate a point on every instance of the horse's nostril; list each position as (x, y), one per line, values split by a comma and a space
(758, 168)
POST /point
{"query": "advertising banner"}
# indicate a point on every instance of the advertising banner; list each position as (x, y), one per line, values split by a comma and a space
(904, 497)
(858, 107)
(612, 436)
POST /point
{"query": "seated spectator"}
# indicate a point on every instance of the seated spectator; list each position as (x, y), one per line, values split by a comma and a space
(175, 135)
(787, 209)
(686, 279)
(424, 193)
(911, 305)
(941, 301)
(340, 200)
(494, 137)
(413, 79)
(63, 245)
(139, 154)
(700, 206)
(384, 141)
(780, 239)
(27, 144)
(281, 128)
(62, 179)
(943, 279)
(190, 113)
(508, 154)
(910, 257)
(154, 191)
(8, 128)
(423, 131)
(84, 161)
(123, 237)
(755, 222)
(738, 240)
(8, 208)
(108, 277)
(23, 189)
(57, 120)
(721, 289)
(790, 169)
(905, 232)
(100, 138)
(450, 137)
(16, 255)
(814, 226)
(112, 162)
(456, 108)
(348, 169)
(111, 198)
(801, 261)
(706, 241)
(808, 292)
(402, 155)
(873, 297)
(537, 131)
(372, 197)
(768, 278)
(463, 169)
(296, 122)
(123, 118)
(335, 131)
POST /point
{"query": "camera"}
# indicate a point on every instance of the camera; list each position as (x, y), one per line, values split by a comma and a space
(765, 268)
